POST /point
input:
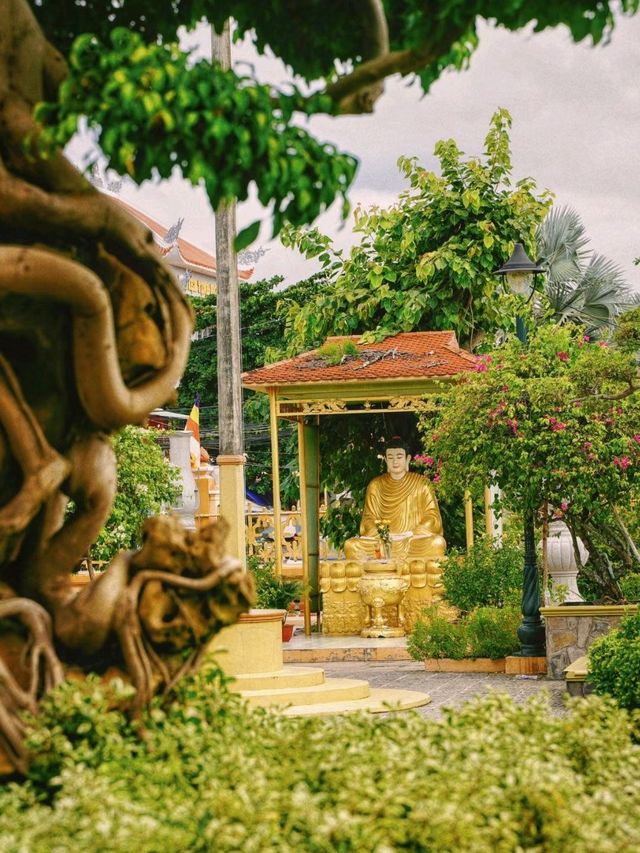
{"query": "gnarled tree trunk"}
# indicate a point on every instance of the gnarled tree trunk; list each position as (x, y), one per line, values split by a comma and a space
(94, 333)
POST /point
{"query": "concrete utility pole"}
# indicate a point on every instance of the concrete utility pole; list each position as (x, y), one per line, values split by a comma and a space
(229, 349)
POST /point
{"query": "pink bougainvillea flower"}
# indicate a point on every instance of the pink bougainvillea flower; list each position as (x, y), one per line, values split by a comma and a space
(556, 425)
(563, 356)
(586, 338)
(587, 446)
(603, 344)
(423, 460)
(436, 478)
(564, 505)
(622, 462)
(636, 437)
(512, 423)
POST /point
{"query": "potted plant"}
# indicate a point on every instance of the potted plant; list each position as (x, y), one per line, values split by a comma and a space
(273, 592)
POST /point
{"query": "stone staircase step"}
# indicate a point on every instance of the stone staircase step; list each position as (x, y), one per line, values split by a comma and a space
(575, 676)
(288, 676)
(331, 690)
(380, 700)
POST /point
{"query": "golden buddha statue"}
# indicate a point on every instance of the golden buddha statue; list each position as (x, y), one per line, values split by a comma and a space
(402, 502)
(400, 517)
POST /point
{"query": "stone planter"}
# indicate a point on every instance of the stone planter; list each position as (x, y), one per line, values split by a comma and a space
(571, 630)
(465, 665)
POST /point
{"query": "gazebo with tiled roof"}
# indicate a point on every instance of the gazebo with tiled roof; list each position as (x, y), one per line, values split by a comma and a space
(397, 374)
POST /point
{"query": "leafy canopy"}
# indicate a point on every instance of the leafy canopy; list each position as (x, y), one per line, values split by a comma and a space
(427, 262)
(154, 110)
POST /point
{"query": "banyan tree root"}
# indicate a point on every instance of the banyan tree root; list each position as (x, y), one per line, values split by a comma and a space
(162, 604)
(183, 591)
(42, 671)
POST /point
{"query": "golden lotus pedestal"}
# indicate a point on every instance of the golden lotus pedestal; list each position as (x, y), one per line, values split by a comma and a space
(382, 586)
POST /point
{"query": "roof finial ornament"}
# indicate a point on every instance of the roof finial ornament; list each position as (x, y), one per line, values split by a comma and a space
(171, 237)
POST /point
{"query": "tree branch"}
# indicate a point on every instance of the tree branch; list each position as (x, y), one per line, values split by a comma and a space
(355, 91)
(631, 389)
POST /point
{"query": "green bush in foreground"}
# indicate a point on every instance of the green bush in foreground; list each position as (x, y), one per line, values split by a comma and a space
(486, 632)
(212, 775)
(614, 663)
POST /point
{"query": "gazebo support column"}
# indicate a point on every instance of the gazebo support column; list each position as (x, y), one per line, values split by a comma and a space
(468, 518)
(275, 475)
(308, 449)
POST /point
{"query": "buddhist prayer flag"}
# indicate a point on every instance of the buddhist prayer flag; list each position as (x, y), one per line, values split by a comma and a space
(193, 425)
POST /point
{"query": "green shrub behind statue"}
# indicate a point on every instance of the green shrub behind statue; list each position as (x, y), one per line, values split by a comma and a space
(485, 576)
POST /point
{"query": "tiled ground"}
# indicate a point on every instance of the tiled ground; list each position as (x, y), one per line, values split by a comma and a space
(445, 689)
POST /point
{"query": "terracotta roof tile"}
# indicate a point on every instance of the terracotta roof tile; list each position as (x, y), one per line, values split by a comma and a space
(190, 254)
(404, 356)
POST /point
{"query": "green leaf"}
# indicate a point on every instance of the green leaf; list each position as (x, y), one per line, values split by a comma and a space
(247, 236)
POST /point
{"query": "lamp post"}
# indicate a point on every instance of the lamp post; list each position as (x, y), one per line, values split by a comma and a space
(520, 273)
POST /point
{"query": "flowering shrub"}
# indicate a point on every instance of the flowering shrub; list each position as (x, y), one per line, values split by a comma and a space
(557, 422)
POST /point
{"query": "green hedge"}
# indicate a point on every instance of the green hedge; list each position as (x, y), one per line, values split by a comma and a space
(212, 776)
(486, 632)
(630, 586)
(614, 663)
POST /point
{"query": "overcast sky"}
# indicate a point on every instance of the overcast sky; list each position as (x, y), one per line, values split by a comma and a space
(576, 130)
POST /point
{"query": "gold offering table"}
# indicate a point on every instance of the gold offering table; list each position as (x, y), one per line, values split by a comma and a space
(382, 588)
(346, 613)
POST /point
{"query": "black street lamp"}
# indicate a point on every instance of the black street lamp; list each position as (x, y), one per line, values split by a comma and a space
(520, 273)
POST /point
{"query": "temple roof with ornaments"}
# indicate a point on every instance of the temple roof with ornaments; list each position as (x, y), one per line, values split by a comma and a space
(407, 355)
(194, 267)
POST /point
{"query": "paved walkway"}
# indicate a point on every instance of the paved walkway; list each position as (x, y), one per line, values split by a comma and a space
(446, 688)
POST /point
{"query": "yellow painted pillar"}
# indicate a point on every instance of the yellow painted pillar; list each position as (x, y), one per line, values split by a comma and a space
(468, 518)
(308, 454)
(232, 497)
(203, 515)
(275, 476)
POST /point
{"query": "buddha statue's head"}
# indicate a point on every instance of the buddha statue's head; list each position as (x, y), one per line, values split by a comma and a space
(397, 456)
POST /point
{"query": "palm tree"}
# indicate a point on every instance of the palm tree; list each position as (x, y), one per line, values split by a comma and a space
(581, 286)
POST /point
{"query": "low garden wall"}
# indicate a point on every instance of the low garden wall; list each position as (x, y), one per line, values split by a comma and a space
(572, 629)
